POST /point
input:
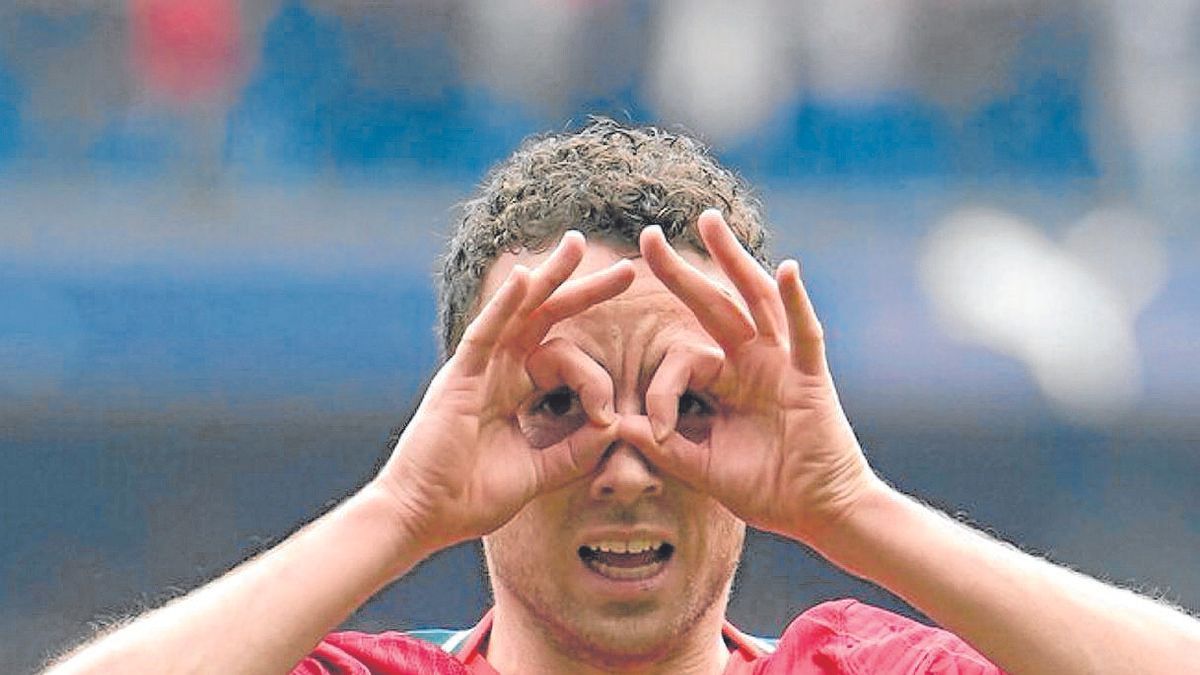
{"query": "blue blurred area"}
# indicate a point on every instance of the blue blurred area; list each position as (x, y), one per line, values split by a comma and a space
(305, 108)
(254, 343)
(212, 313)
(137, 343)
(10, 120)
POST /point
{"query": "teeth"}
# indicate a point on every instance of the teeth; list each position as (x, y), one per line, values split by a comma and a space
(630, 546)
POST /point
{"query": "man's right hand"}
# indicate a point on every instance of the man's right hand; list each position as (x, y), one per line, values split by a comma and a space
(462, 467)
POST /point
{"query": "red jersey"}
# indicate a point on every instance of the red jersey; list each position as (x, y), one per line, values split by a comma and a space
(843, 636)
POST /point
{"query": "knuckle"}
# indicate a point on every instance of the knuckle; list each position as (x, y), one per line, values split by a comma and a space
(815, 332)
(555, 346)
(701, 354)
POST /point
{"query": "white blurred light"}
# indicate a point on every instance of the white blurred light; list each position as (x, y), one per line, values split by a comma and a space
(997, 281)
(721, 68)
(1154, 81)
(1125, 250)
(520, 46)
(857, 48)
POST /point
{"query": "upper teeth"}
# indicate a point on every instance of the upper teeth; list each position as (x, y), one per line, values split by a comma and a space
(631, 546)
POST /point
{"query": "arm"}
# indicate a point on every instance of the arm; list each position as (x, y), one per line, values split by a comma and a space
(800, 472)
(1024, 613)
(455, 474)
(264, 616)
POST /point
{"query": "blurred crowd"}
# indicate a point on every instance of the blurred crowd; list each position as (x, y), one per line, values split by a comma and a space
(218, 219)
(1093, 107)
(871, 87)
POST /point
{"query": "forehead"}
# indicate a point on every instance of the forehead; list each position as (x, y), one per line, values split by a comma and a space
(632, 329)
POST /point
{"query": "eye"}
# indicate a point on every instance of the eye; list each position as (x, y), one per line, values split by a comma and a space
(692, 404)
(558, 403)
(551, 418)
(696, 415)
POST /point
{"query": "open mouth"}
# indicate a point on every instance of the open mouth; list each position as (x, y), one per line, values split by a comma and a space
(626, 560)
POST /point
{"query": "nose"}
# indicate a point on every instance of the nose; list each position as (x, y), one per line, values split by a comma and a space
(624, 476)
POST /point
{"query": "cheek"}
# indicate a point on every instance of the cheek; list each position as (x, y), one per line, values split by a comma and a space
(695, 428)
(526, 544)
(543, 431)
(724, 532)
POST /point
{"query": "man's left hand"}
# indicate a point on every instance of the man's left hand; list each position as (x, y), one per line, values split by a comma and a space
(779, 451)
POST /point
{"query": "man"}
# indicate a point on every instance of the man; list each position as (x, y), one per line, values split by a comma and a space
(626, 388)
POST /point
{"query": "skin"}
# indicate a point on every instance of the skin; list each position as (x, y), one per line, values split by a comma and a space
(466, 465)
(482, 458)
(688, 325)
(750, 345)
(799, 468)
(537, 575)
(439, 477)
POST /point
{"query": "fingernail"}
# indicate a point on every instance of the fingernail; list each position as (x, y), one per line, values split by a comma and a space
(606, 414)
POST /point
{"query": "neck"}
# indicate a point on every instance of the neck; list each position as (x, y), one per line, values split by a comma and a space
(521, 643)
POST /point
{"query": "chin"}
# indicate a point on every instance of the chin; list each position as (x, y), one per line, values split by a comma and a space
(613, 642)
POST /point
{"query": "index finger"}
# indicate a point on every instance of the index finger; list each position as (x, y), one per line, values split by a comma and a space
(572, 298)
(554, 270)
(480, 338)
(712, 304)
(752, 281)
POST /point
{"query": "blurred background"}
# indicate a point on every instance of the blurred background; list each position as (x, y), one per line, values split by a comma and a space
(218, 221)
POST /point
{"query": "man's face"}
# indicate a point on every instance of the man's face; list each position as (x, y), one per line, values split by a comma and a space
(559, 562)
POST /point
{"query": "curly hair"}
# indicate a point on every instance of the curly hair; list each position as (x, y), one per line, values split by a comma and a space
(608, 181)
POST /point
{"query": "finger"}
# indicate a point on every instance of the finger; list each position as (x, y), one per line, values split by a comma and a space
(717, 312)
(678, 457)
(576, 456)
(748, 276)
(558, 362)
(573, 297)
(481, 335)
(806, 336)
(684, 367)
(554, 270)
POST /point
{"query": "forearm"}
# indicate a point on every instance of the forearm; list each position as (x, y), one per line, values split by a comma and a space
(267, 614)
(1027, 615)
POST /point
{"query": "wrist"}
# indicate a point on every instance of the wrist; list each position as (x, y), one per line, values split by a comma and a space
(853, 541)
(827, 527)
(403, 528)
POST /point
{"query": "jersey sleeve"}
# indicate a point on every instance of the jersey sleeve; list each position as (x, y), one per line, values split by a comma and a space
(391, 653)
(846, 636)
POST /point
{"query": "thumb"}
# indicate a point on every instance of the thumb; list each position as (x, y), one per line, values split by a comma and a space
(675, 454)
(574, 457)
